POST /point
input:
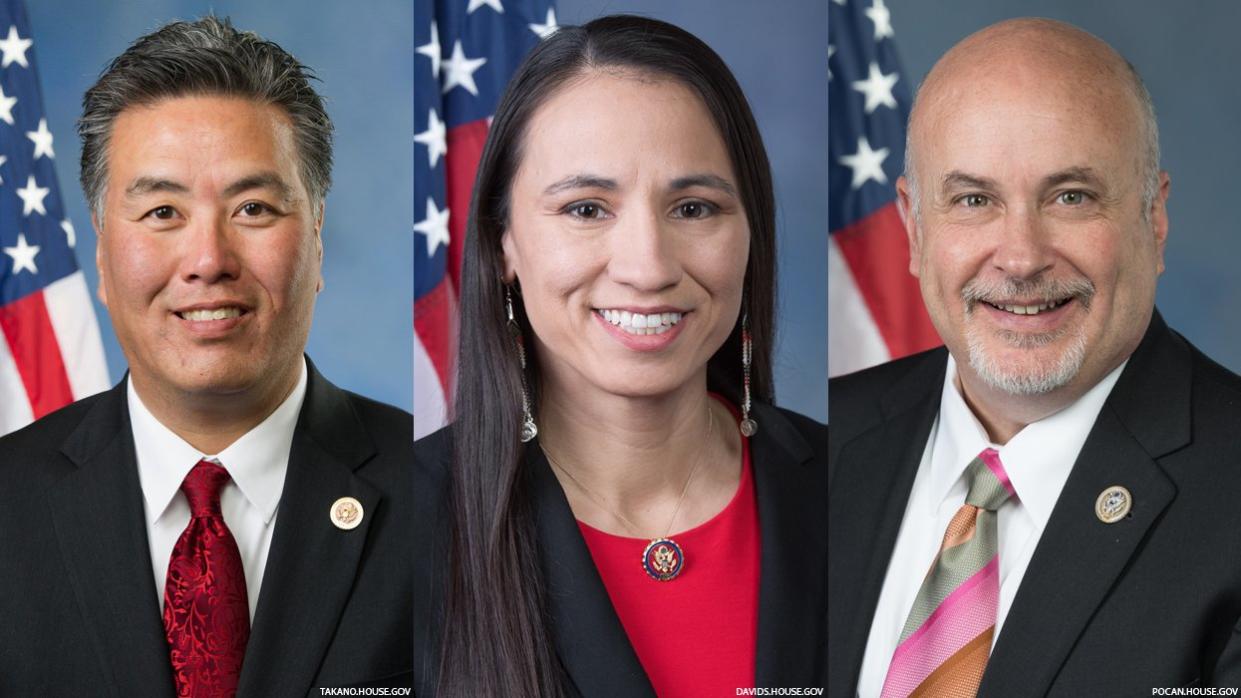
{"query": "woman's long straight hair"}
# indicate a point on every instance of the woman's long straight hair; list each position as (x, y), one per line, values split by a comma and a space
(496, 638)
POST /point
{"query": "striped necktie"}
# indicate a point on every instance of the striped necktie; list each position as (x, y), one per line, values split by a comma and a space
(946, 640)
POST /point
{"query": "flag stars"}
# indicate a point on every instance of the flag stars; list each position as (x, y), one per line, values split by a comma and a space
(493, 4)
(32, 196)
(71, 236)
(459, 70)
(434, 227)
(23, 256)
(432, 50)
(882, 17)
(434, 138)
(877, 89)
(549, 26)
(14, 48)
(831, 51)
(867, 164)
(42, 141)
(3, 159)
(6, 106)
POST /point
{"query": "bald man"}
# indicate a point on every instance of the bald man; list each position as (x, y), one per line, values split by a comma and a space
(1048, 505)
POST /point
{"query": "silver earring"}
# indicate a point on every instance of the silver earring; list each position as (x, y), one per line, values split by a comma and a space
(748, 426)
(529, 429)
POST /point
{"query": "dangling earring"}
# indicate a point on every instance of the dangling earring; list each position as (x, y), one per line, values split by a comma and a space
(748, 426)
(529, 429)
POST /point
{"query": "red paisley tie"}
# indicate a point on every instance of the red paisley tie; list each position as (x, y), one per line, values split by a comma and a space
(206, 616)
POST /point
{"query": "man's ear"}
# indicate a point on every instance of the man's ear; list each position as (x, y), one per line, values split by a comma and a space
(909, 218)
(319, 243)
(1158, 215)
(102, 291)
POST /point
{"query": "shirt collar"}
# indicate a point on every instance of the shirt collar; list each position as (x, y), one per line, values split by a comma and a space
(1038, 458)
(257, 462)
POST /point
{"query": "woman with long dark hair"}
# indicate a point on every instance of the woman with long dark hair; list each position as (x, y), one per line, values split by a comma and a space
(616, 508)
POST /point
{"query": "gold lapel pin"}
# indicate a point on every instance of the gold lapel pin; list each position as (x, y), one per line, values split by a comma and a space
(346, 513)
(1113, 504)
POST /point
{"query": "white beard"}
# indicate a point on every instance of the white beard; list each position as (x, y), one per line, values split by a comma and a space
(1039, 381)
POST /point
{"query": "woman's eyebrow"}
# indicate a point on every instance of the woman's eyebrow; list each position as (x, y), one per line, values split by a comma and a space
(703, 180)
(580, 181)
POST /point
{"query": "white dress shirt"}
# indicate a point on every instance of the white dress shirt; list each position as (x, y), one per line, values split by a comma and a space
(257, 463)
(1038, 460)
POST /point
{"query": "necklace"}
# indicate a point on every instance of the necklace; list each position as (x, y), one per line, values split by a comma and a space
(663, 559)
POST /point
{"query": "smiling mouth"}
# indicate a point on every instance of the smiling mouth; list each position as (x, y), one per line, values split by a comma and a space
(206, 315)
(640, 323)
(1029, 309)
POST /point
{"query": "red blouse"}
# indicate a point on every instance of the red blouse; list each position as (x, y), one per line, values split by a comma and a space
(695, 634)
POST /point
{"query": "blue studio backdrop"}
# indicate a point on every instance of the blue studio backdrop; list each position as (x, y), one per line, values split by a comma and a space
(778, 52)
(362, 333)
(1187, 56)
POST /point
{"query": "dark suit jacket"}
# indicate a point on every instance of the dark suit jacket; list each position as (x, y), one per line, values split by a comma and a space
(788, 455)
(1104, 609)
(79, 614)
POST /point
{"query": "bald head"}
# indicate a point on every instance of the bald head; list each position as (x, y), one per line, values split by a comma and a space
(1032, 58)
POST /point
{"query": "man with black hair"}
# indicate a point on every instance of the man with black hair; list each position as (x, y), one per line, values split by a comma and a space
(225, 521)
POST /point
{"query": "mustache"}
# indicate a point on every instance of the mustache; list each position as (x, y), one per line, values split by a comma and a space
(1041, 288)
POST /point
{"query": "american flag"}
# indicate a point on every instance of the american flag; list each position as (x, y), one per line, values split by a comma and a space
(50, 353)
(466, 51)
(874, 304)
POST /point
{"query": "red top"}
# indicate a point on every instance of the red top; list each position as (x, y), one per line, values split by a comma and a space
(696, 634)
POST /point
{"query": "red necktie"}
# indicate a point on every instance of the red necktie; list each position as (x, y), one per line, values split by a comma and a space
(206, 617)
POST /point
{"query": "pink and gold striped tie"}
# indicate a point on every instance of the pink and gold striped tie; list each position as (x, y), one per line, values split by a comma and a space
(946, 640)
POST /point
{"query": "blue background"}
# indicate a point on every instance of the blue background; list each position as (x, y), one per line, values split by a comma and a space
(1188, 56)
(778, 52)
(362, 337)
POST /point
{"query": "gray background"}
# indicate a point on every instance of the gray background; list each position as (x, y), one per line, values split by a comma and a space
(779, 55)
(362, 337)
(1188, 54)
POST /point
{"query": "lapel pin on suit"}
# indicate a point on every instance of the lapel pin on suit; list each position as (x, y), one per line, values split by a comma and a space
(1113, 504)
(346, 513)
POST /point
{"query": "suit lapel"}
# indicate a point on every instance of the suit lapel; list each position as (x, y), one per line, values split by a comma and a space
(100, 527)
(793, 523)
(867, 497)
(312, 563)
(589, 637)
(1079, 558)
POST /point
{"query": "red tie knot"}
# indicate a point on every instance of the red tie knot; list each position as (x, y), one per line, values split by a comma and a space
(202, 488)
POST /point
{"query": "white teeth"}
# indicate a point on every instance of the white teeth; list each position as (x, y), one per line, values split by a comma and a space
(639, 323)
(215, 314)
(1030, 309)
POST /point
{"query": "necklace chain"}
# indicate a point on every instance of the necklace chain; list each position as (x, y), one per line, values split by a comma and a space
(620, 517)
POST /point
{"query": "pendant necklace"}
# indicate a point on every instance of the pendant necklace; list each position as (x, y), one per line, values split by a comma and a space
(663, 559)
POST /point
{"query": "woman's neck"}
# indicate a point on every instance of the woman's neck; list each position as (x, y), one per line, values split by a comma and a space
(624, 462)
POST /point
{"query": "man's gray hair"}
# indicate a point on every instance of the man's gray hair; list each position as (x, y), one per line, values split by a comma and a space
(205, 57)
(1150, 156)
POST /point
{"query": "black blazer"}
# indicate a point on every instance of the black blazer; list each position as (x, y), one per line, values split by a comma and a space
(79, 614)
(790, 477)
(1104, 609)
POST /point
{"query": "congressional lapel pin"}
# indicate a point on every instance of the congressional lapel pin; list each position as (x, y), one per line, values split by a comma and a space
(346, 513)
(1113, 504)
